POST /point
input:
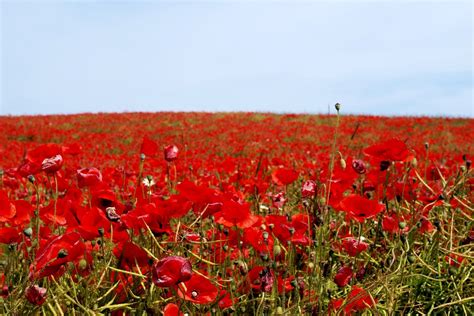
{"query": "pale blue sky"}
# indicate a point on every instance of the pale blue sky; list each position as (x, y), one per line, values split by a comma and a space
(374, 57)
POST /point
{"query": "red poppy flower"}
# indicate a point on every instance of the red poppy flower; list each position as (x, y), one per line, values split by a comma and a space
(171, 309)
(52, 164)
(88, 177)
(235, 214)
(425, 226)
(294, 229)
(198, 290)
(171, 153)
(392, 224)
(260, 240)
(9, 235)
(42, 152)
(308, 189)
(454, 260)
(226, 301)
(358, 300)
(7, 209)
(360, 208)
(343, 276)
(131, 255)
(35, 295)
(28, 168)
(391, 150)
(359, 166)
(54, 253)
(283, 176)
(205, 200)
(278, 200)
(354, 246)
(171, 270)
(148, 147)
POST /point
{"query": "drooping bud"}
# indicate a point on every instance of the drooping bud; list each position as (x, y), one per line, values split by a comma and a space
(28, 232)
(343, 163)
(31, 178)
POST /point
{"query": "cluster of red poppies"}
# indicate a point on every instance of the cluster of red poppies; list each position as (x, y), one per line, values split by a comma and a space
(249, 224)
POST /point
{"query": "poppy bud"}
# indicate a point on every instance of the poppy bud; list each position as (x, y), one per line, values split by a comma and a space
(427, 145)
(28, 232)
(468, 164)
(31, 178)
(171, 153)
(82, 264)
(343, 163)
(35, 295)
(402, 225)
(411, 258)
(276, 250)
(142, 157)
(337, 106)
(359, 166)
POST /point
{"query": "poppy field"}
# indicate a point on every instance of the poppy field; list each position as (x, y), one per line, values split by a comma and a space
(236, 214)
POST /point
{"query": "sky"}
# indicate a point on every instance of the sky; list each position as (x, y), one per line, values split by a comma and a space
(373, 57)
